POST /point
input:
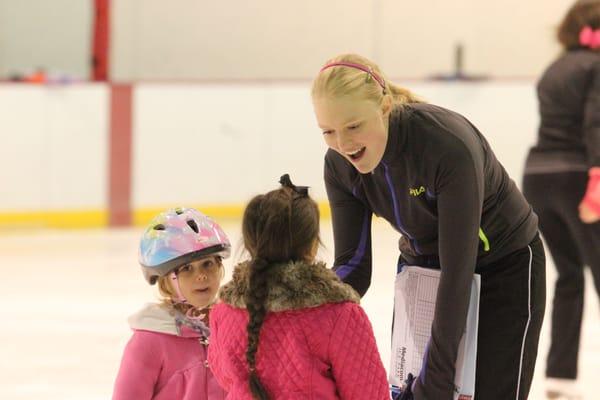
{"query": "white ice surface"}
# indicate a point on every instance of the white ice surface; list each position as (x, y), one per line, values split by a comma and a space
(66, 296)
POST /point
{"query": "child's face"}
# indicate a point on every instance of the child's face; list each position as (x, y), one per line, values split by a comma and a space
(199, 280)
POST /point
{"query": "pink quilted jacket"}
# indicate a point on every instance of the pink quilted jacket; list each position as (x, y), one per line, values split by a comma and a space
(316, 341)
(165, 360)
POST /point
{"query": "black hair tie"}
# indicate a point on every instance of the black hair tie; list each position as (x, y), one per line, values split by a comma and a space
(285, 181)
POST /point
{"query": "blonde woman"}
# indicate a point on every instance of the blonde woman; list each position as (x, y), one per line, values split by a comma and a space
(433, 176)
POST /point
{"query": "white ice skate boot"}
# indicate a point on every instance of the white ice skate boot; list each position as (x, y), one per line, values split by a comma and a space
(562, 389)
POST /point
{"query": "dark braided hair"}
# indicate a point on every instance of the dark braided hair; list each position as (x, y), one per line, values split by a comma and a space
(278, 227)
(255, 302)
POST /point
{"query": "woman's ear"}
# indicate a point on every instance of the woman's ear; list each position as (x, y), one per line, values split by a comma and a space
(386, 105)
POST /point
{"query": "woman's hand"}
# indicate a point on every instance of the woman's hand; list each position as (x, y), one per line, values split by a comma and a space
(587, 215)
(589, 208)
(407, 392)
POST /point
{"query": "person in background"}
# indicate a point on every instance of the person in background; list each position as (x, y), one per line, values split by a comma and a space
(562, 183)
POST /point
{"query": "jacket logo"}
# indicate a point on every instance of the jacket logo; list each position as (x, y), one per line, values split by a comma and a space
(417, 191)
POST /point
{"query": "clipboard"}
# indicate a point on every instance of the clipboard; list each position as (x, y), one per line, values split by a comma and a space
(414, 307)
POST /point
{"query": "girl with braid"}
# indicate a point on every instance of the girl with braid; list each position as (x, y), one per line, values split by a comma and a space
(287, 327)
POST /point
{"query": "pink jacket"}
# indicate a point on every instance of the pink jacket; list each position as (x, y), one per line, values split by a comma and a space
(165, 360)
(316, 341)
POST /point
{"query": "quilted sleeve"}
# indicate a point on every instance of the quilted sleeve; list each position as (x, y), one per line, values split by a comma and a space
(355, 361)
(216, 351)
(140, 367)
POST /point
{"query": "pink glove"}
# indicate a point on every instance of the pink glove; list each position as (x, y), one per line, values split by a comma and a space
(589, 37)
(589, 209)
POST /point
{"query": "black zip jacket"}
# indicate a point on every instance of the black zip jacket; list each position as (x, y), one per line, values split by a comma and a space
(569, 105)
(441, 187)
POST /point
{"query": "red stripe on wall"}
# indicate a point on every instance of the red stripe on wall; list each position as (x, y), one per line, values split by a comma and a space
(120, 155)
(100, 41)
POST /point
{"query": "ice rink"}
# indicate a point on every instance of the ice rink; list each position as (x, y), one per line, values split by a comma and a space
(67, 295)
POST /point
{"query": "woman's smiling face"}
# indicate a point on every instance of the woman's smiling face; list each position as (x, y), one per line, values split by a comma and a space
(357, 129)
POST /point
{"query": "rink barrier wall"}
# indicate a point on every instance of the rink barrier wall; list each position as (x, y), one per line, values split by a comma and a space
(100, 218)
(210, 144)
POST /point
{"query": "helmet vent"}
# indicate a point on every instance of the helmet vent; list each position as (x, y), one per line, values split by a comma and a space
(178, 211)
(159, 227)
(193, 225)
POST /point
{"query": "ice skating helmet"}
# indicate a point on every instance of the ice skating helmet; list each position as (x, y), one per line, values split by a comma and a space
(179, 236)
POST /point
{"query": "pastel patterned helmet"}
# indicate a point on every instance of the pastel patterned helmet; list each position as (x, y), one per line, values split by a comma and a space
(179, 236)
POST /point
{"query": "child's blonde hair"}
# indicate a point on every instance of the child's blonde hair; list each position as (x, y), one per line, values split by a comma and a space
(344, 81)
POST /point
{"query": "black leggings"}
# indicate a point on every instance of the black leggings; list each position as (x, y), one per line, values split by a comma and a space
(511, 312)
(555, 199)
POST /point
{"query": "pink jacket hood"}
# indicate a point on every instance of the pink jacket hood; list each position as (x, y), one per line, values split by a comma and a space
(166, 358)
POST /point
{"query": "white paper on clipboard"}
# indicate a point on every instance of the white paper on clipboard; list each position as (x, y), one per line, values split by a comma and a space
(414, 306)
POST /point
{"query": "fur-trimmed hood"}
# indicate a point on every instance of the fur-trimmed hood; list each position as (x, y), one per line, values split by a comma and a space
(292, 286)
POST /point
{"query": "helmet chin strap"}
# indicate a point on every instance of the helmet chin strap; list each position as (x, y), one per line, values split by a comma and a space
(180, 298)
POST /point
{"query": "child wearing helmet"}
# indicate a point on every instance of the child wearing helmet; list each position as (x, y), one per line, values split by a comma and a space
(286, 327)
(166, 357)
